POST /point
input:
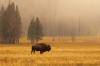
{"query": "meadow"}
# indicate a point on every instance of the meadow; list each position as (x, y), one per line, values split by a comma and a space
(81, 52)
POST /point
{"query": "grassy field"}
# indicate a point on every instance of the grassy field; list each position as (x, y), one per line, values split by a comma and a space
(63, 53)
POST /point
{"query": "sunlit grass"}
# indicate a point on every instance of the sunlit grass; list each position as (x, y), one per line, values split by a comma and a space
(63, 53)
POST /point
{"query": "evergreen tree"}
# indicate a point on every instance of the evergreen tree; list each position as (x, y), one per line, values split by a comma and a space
(35, 30)
(8, 23)
(1, 15)
(31, 31)
(11, 24)
(18, 26)
(38, 29)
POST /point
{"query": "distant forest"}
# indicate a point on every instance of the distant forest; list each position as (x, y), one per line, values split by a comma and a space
(11, 26)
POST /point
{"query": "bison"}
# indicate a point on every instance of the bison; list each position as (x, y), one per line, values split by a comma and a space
(42, 47)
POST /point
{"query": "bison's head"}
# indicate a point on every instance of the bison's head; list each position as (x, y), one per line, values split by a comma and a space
(48, 48)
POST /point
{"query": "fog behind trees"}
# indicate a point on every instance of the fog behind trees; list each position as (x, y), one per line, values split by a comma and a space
(61, 17)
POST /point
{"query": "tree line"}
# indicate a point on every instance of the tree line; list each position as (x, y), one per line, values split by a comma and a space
(11, 26)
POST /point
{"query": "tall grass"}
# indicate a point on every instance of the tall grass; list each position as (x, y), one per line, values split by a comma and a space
(82, 52)
(60, 55)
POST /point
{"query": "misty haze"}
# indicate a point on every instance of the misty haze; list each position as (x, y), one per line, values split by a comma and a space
(61, 17)
(49, 33)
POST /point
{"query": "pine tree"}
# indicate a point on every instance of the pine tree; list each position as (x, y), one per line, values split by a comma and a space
(11, 24)
(18, 26)
(1, 15)
(35, 30)
(31, 31)
(5, 26)
(38, 29)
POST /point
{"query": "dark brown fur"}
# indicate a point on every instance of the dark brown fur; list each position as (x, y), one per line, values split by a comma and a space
(42, 47)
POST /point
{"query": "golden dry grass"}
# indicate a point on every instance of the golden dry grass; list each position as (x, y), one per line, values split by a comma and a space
(63, 53)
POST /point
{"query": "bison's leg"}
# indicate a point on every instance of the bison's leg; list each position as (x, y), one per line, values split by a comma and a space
(31, 51)
(41, 52)
(34, 51)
